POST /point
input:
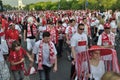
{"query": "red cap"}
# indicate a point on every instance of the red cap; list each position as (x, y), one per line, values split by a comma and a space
(106, 25)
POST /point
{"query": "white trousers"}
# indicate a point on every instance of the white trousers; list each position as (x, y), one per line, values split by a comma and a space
(30, 44)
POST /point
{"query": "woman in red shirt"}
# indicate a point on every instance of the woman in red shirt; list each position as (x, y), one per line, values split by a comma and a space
(16, 59)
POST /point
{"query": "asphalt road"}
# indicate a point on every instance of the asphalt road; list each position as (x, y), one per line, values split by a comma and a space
(63, 72)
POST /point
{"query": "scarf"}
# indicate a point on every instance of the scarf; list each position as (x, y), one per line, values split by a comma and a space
(81, 58)
(111, 65)
(34, 29)
(51, 55)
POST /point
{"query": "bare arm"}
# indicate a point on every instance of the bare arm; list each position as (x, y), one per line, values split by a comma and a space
(16, 63)
(24, 35)
(73, 52)
(55, 65)
(30, 58)
(67, 39)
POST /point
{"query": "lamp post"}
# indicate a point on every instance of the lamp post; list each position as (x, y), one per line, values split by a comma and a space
(58, 4)
(86, 3)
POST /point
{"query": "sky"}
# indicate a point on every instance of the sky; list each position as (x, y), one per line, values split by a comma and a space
(15, 3)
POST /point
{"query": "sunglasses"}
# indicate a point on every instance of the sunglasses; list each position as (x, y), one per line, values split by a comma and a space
(107, 28)
(81, 28)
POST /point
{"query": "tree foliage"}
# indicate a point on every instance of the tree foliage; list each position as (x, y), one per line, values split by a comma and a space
(74, 5)
(8, 7)
(1, 5)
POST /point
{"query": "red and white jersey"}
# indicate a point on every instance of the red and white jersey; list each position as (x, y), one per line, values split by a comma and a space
(106, 39)
(80, 42)
(11, 35)
(15, 57)
(5, 24)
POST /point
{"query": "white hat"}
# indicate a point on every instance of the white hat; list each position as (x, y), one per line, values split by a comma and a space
(30, 20)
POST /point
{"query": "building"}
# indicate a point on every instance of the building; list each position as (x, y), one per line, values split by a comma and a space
(20, 4)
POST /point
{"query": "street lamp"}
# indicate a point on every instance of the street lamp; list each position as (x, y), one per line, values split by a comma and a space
(86, 3)
(58, 4)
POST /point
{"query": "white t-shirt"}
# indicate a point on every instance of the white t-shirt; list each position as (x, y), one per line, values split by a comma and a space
(3, 49)
(76, 38)
(100, 27)
(67, 30)
(41, 29)
(18, 28)
(97, 71)
(2, 37)
(117, 15)
(65, 25)
(93, 23)
(36, 51)
(113, 24)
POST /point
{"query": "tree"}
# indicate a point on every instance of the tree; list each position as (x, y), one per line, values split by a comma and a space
(116, 5)
(1, 5)
(27, 7)
(75, 5)
(49, 5)
(38, 7)
(8, 7)
(64, 5)
(107, 4)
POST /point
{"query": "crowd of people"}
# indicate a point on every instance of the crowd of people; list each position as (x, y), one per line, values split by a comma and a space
(91, 38)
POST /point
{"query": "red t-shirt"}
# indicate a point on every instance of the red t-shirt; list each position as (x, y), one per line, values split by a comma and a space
(16, 57)
(4, 24)
(12, 34)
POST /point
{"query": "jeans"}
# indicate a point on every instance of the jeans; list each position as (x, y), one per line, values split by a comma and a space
(45, 73)
(18, 75)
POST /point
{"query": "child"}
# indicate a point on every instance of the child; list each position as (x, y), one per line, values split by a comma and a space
(16, 59)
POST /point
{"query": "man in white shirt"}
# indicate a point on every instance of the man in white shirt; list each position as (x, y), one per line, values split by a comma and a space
(107, 40)
(79, 43)
(46, 56)
(69, 32)
(41, 29)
